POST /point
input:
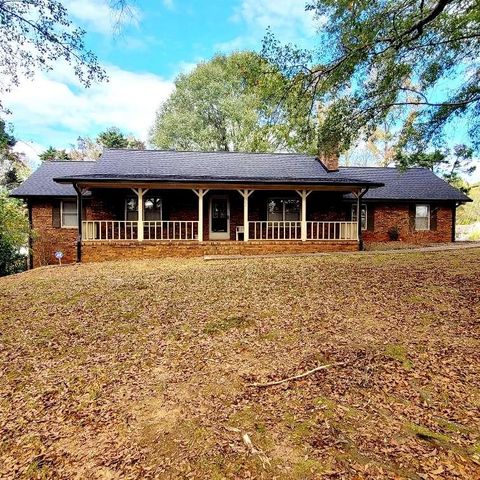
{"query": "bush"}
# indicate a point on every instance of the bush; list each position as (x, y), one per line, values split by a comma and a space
(14, 232)
(393, 234)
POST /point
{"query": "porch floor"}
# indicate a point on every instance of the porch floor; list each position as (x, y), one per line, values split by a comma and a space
(96, 251)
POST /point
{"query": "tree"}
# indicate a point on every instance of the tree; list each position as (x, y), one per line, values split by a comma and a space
(14, 231)
(53, 154)
(38, 33)
(230, 104)
(13, 168)
(450, 165)
(91, 149)
(389, 60)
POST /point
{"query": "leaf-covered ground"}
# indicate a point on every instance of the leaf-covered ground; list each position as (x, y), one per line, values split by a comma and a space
(142, 369)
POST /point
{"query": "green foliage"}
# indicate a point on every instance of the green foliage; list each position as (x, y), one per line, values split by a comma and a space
(390, 60)
(13, 169)
(445, 163)
(35, 35)
(91, 149)
(231, 103)
(53, 154)
(14, 231)
(470, 212)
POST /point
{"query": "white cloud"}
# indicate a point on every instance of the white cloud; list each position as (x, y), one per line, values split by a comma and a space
(98, 16)
(55, 110)
(168, 4)
(30, 151)
(287, 18)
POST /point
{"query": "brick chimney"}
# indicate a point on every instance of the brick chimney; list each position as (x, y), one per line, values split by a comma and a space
(329, 160)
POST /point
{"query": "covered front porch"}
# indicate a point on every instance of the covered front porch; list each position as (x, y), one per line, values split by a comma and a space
(152, 214)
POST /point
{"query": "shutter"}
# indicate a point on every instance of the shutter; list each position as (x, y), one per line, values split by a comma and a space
(56, 220)
(433, 218)
(370, 217)
(411, 216)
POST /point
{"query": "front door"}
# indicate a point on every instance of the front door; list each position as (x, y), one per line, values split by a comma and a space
(219, 218)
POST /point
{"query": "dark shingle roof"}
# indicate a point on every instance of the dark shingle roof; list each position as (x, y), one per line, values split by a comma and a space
(41, 184)
(168, 165)
(412, 184)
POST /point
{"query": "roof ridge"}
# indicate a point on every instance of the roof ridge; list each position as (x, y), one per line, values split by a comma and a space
(208, 151)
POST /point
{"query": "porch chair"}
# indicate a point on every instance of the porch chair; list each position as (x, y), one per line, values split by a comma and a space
(239, 230)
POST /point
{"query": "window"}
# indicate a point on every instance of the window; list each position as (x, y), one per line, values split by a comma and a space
(422, 217)
(69, 213)
(363, 215)
(152, 208)
(131, 209)
(283, 209)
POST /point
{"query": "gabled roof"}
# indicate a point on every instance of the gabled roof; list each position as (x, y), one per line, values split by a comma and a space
(41, 184)
(212, 167)
(416, 184)
(410, 184)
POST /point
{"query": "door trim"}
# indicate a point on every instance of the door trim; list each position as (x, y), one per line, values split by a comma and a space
(219, 235)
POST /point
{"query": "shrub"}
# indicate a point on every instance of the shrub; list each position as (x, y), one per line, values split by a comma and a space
(393, 234)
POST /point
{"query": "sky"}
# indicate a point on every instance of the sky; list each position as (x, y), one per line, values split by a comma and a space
(162, 39)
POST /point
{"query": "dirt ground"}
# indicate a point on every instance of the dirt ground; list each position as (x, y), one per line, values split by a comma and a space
(143, 369)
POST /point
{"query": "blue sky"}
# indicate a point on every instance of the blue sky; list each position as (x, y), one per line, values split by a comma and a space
(162, 39)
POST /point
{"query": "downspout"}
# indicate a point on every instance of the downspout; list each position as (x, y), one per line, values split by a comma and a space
(454, 219)
(30, 234)
(359, 217)
(79, 220)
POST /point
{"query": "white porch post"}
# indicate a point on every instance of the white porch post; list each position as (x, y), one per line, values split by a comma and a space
(200, 193)
(140, 192)
(245, 194)
(303, 219)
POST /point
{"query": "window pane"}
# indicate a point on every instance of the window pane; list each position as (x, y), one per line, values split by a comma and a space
(69, 214)
(421, 224)
(421, 211)
(363, 214)
(292, 209)
(274, 210)
(152, 209)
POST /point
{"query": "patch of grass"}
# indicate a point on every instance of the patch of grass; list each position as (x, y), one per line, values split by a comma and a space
(399, 353)
(426, 434)
(217, 326)
(306, 469)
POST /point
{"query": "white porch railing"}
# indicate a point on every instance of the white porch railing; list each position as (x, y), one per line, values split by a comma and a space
(109, 230)
(170, 230)
(128, 230)
(275, 230)
(332, 231)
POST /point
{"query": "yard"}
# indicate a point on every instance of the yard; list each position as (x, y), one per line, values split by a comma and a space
(143, 369)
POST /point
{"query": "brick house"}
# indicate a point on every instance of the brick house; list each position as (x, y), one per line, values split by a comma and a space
(150, 203)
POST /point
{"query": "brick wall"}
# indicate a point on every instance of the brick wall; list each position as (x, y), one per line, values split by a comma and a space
(104, 251)
(183, 205)
(386, 216)
(48, 239)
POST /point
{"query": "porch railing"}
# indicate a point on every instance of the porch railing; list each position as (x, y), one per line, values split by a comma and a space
(170, 230)
(93, 230)
(275, 230)
(332, 231)
(109, 230)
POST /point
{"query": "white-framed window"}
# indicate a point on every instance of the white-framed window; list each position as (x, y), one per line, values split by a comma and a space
(363, 215)
(422, 217)
(68, 214)
(283, 209)
(152, 208)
